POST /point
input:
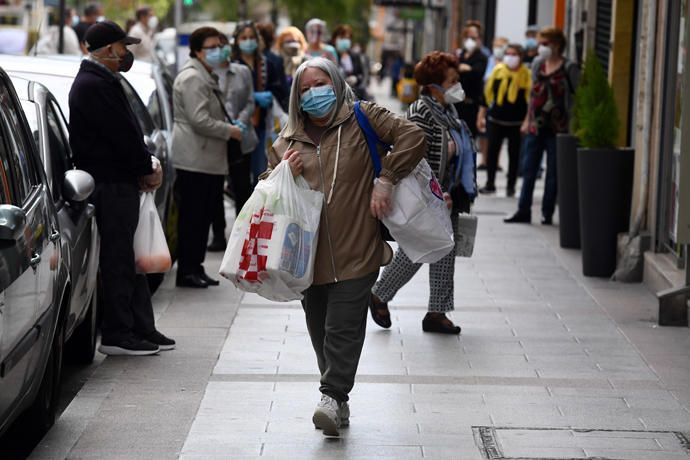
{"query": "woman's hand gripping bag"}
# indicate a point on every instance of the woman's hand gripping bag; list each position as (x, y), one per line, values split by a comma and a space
(273, 243)
(419, 220)
(151, 253)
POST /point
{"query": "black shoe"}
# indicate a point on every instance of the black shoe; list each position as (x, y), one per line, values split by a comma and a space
(481, 168)
(128, 347)
(192, 281)
(162, 341)
(487, 189)
(438, 322)
(547, 220)
(510, 192)
(217, 245)
(519, 218)
(379, 312)
(210, 281)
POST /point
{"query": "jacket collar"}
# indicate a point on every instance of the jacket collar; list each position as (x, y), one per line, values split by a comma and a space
(345, 112)
(209, 77)
(92, 66)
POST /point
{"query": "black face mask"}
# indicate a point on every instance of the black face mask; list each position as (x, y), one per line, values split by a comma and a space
(126, 62)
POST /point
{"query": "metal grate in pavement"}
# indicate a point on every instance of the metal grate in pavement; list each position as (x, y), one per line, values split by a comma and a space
(513, 443)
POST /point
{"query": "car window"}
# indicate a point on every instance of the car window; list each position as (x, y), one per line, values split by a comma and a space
(155, 110)
(23, 171)
(140, 110)
(57, 85)
(59, 152)
(168, 85)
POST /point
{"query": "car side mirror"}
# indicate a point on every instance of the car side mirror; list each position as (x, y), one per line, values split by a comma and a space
(12, 222)
(78, 185)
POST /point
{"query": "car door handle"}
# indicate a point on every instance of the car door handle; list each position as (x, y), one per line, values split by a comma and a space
(54, 236)
(35, 260)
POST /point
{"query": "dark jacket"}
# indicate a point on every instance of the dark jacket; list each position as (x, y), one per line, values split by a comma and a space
(277, 81)
(106, 139)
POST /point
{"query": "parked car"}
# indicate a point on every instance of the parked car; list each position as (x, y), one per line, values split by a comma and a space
(35, 284)
(57, 74)
(76, 217)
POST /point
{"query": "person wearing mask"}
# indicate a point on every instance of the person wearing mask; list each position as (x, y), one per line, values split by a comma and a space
(315, 30)
(554, 80)
(321, 137)
(145, 27)
(503, 109)
(434, 112)
(48, 43)
(93, 13)
(497, 53)
(531, 44)
(108, 143)
(472, 67)
(265, 77)
(200, 152)
(350, 62)
(292, 47)
(235, 82)
(279, 88)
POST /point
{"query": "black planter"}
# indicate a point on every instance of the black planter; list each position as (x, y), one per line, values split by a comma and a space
(568, 200)
(605, 178)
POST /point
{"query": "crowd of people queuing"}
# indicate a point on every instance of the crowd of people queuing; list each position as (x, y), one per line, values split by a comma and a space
(224, 98)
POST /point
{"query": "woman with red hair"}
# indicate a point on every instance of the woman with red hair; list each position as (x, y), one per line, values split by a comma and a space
(449, 141)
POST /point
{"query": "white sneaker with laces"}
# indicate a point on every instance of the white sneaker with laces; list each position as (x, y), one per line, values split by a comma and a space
(327, 416)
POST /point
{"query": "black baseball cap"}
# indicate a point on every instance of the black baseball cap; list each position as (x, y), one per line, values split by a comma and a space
(105, 33)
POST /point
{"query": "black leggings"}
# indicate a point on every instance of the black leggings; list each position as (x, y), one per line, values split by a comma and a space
(496, 133)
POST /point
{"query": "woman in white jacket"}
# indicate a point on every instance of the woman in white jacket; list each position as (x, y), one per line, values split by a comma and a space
(200, 136)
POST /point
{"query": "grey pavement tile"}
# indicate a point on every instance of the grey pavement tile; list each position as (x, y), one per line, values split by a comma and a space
(456, 452)
(545, 452)
(337, 450)
(624, 454)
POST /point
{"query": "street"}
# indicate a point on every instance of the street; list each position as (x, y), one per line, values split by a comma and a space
(549, 365)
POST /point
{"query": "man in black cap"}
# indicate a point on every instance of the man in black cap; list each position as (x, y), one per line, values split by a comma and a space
(108, 143)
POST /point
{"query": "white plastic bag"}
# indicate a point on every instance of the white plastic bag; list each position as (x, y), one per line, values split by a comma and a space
(151, 254)
(467, 230)
(419, 220)
(272, 245)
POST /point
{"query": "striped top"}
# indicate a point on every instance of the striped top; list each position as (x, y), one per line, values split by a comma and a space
(437, 137)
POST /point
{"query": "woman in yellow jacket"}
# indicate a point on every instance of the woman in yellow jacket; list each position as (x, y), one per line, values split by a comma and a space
(506, 97)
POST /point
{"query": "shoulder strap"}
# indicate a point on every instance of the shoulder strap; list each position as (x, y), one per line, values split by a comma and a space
(371, 137)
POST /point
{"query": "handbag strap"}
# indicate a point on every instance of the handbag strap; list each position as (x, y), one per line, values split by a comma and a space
(371, 137)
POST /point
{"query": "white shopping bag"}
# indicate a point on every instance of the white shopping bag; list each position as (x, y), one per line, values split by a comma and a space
(272, 245)
(419, 220)
(467, 231)
(151, 253)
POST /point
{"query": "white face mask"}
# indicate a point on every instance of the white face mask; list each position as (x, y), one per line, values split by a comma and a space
(469, 44)
(152, 23)
(100, 19)
(511, 61)
(454, 94)
(499, 52)
(544, 51)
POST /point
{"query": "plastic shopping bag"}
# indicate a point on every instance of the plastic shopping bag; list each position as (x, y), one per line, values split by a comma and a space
(272, 245)
(419, 220)
(151, 253)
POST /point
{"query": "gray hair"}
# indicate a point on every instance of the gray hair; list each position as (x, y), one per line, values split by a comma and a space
(343, 93)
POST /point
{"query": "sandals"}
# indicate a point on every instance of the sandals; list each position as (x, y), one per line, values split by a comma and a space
(379, 312)
(438, 322)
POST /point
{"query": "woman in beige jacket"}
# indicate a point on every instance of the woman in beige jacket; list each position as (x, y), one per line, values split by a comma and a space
(323, 141)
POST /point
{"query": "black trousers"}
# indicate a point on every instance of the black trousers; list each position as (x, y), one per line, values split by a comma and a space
(127, 308)
(199, 194)
(496, 133)
(240, 183)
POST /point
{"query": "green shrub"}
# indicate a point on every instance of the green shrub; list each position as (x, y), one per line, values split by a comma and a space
(595, 116)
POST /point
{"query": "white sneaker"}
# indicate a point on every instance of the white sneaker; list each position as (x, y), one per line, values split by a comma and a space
(326, 416)
(344, 413)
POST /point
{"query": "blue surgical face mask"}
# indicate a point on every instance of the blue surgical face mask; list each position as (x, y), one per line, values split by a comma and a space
(75, 20)
(318, 101)
(343, 44)
(226, 51)
(531, 43)
(214, 56)
(248, 46)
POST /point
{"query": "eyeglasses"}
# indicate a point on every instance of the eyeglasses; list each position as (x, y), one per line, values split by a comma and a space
(211, 47)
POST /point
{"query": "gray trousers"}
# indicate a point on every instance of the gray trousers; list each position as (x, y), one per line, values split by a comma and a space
(441, 273)
(336, 315)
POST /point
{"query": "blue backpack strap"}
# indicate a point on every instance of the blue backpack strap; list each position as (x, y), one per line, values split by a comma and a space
(372, 139)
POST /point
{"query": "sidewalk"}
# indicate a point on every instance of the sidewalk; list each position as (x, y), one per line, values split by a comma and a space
(550, 365)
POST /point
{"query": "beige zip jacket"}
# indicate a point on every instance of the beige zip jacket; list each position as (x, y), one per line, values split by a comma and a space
(350, 244)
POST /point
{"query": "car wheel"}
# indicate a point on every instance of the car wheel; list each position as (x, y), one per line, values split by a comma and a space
(35, 422)
(81, 347)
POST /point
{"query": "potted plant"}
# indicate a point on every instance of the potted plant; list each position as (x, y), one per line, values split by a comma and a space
(605, 172)
(566, 173)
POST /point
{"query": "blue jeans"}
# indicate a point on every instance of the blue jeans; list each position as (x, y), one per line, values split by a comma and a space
(534, 148)
(259, 159)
